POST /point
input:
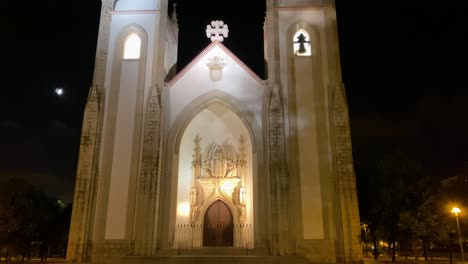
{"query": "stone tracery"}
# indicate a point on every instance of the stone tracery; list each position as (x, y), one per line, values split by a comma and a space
(220, 175)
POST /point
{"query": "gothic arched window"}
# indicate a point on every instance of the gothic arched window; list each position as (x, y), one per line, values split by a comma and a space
(301, 43)
(132, 47)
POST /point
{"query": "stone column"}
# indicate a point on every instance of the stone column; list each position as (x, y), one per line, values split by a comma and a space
(103, 42)
(197, 160)
(86, 181)
(147, 203)
(280, 185)
(346, 180)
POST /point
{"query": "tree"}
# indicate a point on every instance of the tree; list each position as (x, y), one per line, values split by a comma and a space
(17, 200)
(395, 184)
(425, 224)
(28, 215)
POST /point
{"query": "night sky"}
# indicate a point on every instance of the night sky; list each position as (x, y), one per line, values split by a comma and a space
(405, 69)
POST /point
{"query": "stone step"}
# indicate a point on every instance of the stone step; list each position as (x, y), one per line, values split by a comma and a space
(215, 260)
(214, 251)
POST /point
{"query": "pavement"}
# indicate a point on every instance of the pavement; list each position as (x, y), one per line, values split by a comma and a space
(412, 260)
(33, 260)
(370, 260)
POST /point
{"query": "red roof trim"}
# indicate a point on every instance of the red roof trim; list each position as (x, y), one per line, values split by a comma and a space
(309, 7)
(135, 12)
(203, 53)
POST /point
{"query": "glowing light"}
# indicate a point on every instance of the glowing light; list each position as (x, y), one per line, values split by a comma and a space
(59, 91)
(456, 210)
(132, 47)
(306, 49)
(229, 185)
(183, 209)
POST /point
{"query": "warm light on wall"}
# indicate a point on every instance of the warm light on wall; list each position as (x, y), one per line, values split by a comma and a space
(183, 209)
(229, 186)
(243, 196)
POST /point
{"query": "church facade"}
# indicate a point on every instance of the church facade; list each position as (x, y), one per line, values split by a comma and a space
(214, 160)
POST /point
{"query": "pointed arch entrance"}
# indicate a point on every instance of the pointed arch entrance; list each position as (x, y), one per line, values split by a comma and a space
(218, 226)
(215, 162)
(216, 159)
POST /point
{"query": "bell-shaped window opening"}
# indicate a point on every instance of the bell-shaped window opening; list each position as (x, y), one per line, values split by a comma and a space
(301, 43)
(132, 47)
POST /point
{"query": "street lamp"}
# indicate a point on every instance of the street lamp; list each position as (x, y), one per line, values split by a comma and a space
(456, 211)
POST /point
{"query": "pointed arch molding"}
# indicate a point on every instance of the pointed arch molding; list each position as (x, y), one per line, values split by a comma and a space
(226, 201)
(313, 35)
(204, 101)
(113, 92)
(174, 136)
(317, 68)
(127, 31)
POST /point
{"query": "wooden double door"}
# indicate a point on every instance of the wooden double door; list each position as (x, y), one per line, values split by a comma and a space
(218, 226)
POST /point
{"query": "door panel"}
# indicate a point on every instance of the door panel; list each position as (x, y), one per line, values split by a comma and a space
(218, 226)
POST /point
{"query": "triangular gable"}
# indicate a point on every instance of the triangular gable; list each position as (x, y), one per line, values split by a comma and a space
(205, 52)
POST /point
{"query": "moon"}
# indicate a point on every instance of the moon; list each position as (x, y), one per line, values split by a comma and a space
(59, 91)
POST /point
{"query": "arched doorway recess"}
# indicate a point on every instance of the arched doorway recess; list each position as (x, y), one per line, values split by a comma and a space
(215, 177)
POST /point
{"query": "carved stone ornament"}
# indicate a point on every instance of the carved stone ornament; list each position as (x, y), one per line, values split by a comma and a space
(218, 165)
(218, 171)
(217, 31)
(108, 11)
(216, 66)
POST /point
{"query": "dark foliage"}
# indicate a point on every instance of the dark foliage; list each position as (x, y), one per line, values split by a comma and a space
(30, 219)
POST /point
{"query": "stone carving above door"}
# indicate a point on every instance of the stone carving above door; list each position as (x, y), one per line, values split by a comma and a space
(219, 165)
(218, 174)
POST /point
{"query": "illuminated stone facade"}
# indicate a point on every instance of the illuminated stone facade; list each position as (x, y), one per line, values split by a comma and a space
(214, 156)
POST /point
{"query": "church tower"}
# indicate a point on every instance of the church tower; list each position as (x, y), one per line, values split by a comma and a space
(304, 75)
(137, 47)
(212, 160)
